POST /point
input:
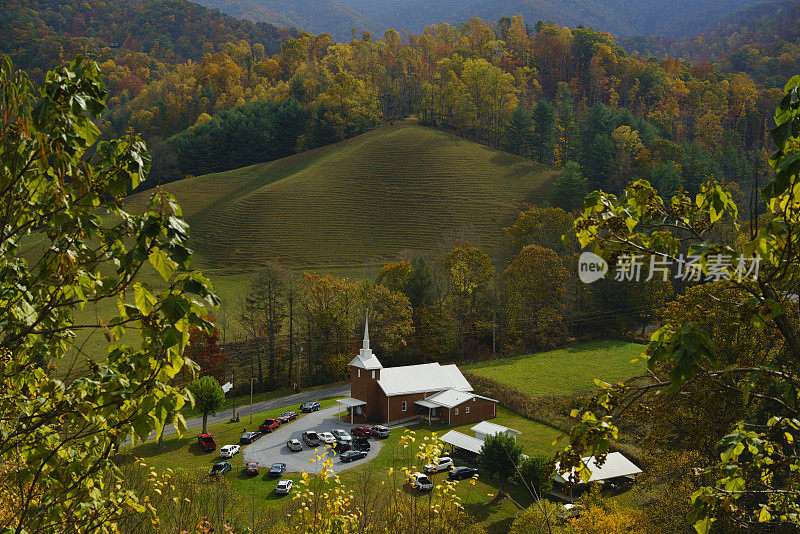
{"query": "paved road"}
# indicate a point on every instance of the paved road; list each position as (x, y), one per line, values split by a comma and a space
(272, 447)
(244, 411)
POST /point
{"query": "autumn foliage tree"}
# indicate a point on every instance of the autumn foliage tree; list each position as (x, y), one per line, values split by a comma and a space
(204, 350)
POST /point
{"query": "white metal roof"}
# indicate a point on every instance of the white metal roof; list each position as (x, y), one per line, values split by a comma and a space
(489, 429)
(350, 401)
(463, 441)
(426, 404)
(451, 398)
(616, 465)
(366, 360)
(422, 378)
(459, 382)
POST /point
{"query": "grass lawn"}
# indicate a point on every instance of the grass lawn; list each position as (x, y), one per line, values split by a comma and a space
(565, 371)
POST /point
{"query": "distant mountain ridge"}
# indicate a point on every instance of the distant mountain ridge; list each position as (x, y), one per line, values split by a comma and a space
(675, 19)
(761, 40)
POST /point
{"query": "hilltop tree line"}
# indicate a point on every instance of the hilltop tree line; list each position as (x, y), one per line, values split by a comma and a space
(181, 66)
(552, 94)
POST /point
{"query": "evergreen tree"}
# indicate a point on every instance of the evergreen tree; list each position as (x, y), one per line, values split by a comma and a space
(598, 161)
(667, 179)
(543, 139)
(570, 187)
(697, 166)
(517, 133)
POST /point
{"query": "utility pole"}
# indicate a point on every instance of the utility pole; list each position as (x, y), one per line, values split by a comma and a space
(251, 397)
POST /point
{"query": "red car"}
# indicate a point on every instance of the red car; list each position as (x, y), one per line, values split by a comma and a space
(361, 431)
(285, 417)
(252, 468)
(269, 425)
(206, 442)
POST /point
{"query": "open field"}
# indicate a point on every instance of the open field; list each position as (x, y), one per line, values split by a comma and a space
(366, 199)
(565, 371)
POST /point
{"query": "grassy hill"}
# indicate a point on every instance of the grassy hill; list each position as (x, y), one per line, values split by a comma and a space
(566, 370)
(366, 199)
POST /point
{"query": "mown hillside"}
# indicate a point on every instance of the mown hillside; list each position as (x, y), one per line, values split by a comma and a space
(372, 197)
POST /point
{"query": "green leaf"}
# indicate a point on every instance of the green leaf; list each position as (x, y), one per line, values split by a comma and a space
(144, 298)
(162, 263)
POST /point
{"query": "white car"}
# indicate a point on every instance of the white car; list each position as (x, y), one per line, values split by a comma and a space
(283, 487)
(341, 435)
(568, 511)
(420, 482)
(327, 438)
(228, 451)
(445, 463)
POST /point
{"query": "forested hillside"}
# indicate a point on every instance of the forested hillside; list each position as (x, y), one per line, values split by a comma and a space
(39, 34)
(763, 40)
(339, 17)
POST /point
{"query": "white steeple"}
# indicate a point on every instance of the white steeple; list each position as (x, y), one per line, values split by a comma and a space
(366, 359)
(365, 346)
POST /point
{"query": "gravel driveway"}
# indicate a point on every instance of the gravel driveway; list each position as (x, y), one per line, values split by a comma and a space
(272, 447)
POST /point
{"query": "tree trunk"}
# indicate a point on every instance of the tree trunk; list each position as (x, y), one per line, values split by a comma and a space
(205, 422)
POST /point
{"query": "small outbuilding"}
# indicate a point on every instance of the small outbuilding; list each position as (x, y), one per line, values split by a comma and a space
(485, 428)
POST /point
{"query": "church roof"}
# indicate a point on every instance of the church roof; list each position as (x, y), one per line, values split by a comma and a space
(366, 360)
(422, 378)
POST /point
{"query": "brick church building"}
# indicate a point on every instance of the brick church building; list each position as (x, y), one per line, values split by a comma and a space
(427, 391)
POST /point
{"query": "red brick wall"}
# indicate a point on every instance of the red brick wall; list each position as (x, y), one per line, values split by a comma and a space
(365, 388)
(395, 406)
(479, 409)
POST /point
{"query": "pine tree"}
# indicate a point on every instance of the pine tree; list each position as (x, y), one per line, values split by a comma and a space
(517, 133)
(570, 187)
(544, 132)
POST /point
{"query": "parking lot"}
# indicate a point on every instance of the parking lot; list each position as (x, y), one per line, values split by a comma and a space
(272, 448)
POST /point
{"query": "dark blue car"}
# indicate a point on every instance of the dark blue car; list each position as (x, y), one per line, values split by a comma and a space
(310, 406)
(277, 470)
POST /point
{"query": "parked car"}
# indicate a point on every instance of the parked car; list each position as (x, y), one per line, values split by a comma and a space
(342, 446)
(461, 472)
(220, 468)
(361, 431)
(283, 487)
(269, 425)
(420, 481)
(568, 511)
(294, 445)
(361, 444)
(349, 456)
(310, 406)
(311, 438)
(327, 438)
(229, 451)
(341, 435)
(252, 468)
(442, 464)
(206, 442)
(277, 470)
(249, 437)
(285, 417)
(380, 431)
